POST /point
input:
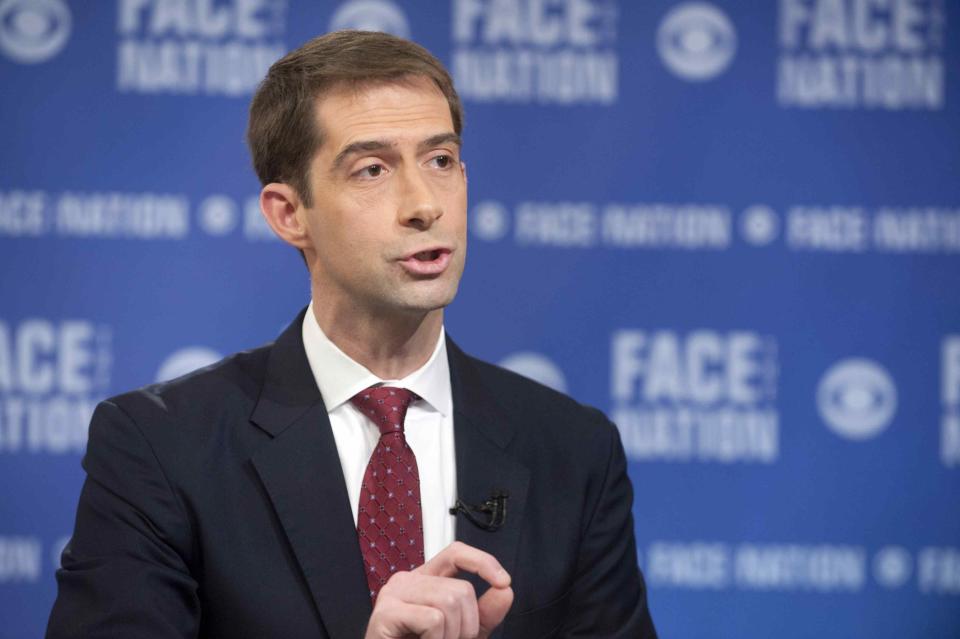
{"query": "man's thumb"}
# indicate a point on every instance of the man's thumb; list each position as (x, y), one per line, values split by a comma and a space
(493, 607)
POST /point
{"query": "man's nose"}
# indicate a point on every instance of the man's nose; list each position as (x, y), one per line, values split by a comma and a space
(419, 206)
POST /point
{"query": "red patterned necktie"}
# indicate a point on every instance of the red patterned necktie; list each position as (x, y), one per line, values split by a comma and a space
(389, 520)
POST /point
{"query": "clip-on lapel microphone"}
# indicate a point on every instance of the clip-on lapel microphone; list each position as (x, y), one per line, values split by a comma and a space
(493, 509)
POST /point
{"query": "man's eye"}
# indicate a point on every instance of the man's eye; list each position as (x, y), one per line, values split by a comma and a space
(374, 170)
(442, 161)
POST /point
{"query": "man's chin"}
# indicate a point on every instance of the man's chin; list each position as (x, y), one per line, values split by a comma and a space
(426, 301)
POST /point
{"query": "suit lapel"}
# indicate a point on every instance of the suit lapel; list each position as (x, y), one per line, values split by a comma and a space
(301, 472)
(482, 432)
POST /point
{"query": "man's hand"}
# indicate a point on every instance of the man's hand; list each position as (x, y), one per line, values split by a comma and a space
(430, 603)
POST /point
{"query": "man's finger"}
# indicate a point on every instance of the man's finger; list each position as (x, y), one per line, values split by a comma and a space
(424, 621)
(407, 619)
(458, 556)
(455, 599)
(493, 607)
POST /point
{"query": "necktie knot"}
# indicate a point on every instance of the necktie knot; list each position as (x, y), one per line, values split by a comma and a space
(385, 406)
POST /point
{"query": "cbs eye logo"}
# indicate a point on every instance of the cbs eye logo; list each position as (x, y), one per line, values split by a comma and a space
(371, 15)
(33, 31)
(857, 398)
(696, 41)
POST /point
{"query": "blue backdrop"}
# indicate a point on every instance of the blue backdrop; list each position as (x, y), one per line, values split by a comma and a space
(734, 226)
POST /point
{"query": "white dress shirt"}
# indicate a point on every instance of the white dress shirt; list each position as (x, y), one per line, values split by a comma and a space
(428, 426)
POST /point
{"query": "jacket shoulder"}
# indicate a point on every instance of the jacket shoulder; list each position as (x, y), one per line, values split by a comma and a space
(519, 395)
(233, 383)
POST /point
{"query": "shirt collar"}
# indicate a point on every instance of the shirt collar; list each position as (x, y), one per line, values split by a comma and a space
(339, 377)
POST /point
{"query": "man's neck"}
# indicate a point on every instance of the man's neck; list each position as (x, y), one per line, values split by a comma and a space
(389, 347)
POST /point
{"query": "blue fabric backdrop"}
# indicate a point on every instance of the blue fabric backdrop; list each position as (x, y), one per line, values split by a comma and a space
(734, 226)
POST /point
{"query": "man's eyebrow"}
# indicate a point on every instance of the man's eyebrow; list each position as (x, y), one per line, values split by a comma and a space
(361, 146)
(439, 140)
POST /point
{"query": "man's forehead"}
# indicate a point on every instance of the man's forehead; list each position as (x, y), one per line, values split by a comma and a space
(393, 110)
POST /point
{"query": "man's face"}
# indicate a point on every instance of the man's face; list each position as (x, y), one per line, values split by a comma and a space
(387, 229)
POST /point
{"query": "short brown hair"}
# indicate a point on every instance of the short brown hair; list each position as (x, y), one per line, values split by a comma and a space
(281, 132)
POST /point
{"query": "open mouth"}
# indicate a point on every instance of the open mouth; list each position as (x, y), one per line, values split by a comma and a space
(427, 263)
(427, 256)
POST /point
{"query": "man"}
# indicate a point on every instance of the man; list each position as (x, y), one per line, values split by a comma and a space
(315, 487)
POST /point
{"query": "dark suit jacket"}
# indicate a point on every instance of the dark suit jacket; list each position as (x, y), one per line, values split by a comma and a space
(215, 506)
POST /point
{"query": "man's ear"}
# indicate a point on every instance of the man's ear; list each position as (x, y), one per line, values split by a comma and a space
(282, 208)
(463, 170)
